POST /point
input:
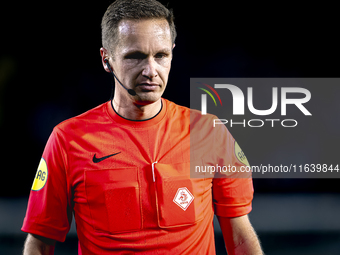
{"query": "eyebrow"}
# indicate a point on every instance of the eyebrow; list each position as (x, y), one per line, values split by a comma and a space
(141, 53)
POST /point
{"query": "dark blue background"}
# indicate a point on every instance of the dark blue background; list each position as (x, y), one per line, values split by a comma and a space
(50, 67)
(50, 70)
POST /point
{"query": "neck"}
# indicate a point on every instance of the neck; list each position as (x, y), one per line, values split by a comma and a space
(137, 111)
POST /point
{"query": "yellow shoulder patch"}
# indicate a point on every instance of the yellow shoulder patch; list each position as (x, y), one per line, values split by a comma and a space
(240, 155)
(41, 176)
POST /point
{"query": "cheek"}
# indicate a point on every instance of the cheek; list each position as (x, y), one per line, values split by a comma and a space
(130, 70)
(165, 70)
(130, 65)
(166, 62)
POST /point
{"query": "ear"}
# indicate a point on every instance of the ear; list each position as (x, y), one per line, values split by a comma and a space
(105, 55)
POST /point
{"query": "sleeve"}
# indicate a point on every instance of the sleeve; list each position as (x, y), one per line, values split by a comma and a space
(49, 211)
(233, 190)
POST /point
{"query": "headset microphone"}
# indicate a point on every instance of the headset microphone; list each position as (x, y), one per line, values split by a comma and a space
(130, 91)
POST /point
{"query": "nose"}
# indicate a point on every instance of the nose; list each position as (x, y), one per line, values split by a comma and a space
(149, 69)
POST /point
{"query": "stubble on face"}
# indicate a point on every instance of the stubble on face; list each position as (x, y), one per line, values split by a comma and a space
(142, 59)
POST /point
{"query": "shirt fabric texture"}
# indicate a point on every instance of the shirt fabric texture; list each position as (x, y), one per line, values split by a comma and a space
(140, 199)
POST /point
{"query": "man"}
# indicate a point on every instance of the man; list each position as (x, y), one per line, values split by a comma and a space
(123, 168)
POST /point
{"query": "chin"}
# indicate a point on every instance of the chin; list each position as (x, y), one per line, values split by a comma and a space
(148, 98)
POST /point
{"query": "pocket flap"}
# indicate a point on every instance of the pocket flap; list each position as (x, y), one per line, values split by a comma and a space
(179, 198)
(113, 196)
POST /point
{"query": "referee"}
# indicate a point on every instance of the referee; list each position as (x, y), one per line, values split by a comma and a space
(123, 168)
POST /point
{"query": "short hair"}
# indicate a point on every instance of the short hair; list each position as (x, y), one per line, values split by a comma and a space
(132, 10)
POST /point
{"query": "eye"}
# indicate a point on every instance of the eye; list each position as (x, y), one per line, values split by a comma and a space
(135, 55)
(160, 55)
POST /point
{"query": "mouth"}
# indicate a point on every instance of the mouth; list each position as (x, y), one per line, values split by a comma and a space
(148, 86)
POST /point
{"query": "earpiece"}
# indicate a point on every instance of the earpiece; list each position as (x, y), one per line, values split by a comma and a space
(106, 61)
(130, 91)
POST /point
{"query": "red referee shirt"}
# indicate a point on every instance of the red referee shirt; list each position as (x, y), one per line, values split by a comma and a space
(128, 183)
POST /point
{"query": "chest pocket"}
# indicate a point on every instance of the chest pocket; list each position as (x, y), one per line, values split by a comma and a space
(113, 196)
(181, 201)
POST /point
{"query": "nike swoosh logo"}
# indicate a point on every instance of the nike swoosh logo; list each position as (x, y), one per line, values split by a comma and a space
(97, 160)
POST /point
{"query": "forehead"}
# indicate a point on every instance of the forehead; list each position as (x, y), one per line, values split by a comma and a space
(144, 34)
